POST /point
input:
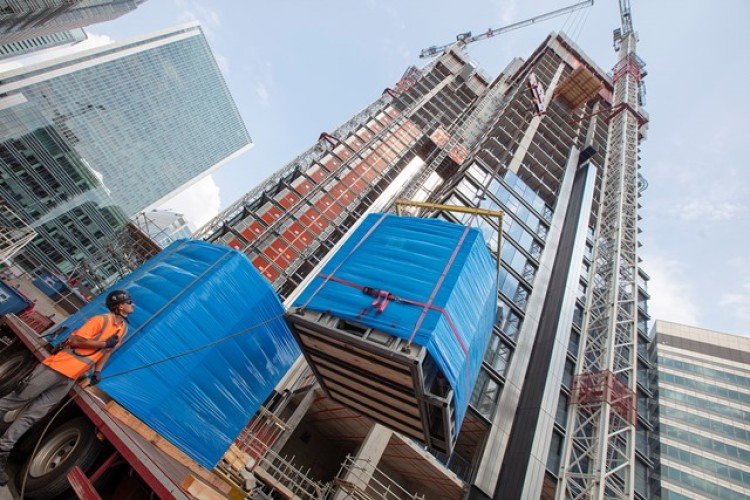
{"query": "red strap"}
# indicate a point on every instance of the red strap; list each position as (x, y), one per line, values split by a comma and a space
(383, 298)
(428, 305)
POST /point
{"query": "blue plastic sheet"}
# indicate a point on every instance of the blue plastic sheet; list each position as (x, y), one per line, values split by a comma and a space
(207, 343)
(50, 284)
(421, 262)
(11, 300)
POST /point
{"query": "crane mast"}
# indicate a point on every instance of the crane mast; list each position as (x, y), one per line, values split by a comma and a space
(599, 454)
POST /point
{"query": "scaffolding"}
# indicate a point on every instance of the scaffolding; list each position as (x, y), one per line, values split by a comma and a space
(115, 259)
(362, 480)
(14, 234)
(599, 455)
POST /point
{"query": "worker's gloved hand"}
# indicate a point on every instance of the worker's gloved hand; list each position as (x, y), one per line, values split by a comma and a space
(111, 342)
(96, 377)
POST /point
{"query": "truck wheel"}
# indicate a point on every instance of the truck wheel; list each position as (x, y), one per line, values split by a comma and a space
(73, 443)
(13, 368)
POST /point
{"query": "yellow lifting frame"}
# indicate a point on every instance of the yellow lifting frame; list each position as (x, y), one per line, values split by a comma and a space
(464, 210)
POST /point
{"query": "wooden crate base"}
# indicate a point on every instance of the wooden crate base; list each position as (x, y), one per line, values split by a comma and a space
(203, 484)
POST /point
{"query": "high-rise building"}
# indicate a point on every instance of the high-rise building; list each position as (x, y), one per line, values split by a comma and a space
(534, 142)
(703, 390)
(163, 226)
(41, 42)
(91, 139)
(26, 19)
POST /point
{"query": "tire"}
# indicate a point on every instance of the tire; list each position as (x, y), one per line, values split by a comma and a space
(14, 366)
(73, 443)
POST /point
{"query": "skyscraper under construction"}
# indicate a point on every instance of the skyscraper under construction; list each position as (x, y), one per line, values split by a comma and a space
(552, 141)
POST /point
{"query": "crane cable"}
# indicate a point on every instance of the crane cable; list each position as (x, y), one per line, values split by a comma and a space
(584, 18)
(197, 349)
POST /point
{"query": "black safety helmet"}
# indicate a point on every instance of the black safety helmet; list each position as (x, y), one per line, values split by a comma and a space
(116, 297)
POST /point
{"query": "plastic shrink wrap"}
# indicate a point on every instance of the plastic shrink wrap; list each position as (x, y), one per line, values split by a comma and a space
(427, 280)
(206, 345)
(11, 300)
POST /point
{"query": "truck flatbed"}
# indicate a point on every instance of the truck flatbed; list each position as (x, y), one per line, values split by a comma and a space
(164, 475)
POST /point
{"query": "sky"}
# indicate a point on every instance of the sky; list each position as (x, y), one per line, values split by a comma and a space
(297, 68)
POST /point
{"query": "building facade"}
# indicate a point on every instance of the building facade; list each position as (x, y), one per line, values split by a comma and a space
(89, 140)
(163, 226)
(531, 142)
(27, 19)
(703, 386)
(41, 42)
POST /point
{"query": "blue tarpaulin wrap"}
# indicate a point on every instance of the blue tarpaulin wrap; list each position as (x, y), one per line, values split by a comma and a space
(50, 284)
(207, 343)
(443, 278)
(11, 300)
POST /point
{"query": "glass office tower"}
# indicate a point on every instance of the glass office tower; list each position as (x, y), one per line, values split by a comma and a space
(91, 139)
(702, 410)
(24, 19)
(41, 42)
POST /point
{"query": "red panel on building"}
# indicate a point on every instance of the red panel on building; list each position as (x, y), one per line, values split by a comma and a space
(265, 268)
(286, 198)
(270, 215)
(252, 231)
(297, 236)
(302, 185)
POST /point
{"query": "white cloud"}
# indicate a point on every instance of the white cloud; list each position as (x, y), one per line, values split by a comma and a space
(223, 63)
(672, 297)
(262, 92)
(210, 22)
(193, 11)
(708, 210)
(508, 11)
(737, 304)
(199, 203)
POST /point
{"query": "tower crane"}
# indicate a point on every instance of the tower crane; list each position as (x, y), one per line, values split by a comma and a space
(599, 452)
(467, 38)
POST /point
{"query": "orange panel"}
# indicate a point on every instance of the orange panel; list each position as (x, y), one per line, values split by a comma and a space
(332, 211)
(342, 194)
(252, 231)
(313, 221)
(288, 200)
(265, 268)
(298, 236)
(270, 215)
(354, 181)
(281, 254)
(234, 243)
(375, 126)
(303, 186)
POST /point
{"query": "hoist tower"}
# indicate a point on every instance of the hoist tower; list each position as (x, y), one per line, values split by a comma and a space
(599, 453)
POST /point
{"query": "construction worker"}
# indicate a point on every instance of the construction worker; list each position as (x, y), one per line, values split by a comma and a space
(82, 357)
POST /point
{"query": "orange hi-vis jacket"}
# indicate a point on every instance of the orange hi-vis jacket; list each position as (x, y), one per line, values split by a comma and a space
(74, 363)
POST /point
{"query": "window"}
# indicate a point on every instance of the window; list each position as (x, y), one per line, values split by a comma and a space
(574, 342)
(568, 374)
(485, 395)
(498, 355)
(561, 415)
(555, 450)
